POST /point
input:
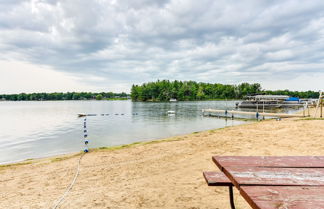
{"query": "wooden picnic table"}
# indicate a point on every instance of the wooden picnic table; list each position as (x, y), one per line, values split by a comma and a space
(294, 182)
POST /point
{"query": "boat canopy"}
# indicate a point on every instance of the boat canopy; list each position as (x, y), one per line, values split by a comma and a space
(268, 97)
(290, 99)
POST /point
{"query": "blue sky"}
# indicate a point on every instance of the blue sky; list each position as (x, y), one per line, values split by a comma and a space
(108, 45)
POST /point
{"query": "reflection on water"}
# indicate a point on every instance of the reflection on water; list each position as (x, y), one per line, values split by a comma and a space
(38, 129)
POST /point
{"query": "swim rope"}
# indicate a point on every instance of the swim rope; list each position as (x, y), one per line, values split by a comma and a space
(86, 149)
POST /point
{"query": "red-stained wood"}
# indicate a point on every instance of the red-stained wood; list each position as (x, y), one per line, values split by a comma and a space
(283, 197)
(287, 182)
(270, 161)
(242, 176)
(216, 179)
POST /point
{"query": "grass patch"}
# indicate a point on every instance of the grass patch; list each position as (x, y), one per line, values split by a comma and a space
(118, 147)
(31, 160)
(57, 159)
(312, 119)
(220, 129)
(15, 164)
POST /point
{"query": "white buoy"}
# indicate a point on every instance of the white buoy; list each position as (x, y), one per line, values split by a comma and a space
(171, 112)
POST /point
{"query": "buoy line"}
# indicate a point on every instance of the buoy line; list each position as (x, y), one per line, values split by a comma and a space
(86, 150)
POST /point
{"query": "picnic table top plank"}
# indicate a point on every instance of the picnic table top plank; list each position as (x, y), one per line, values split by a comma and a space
(270, 161)
(275, 176)
(283, 197)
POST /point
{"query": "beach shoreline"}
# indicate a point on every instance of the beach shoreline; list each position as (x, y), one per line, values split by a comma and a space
(163, 173)
(71, 154)
(111, 148)
(46, 157)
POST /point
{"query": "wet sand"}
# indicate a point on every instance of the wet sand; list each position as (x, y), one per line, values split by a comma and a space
(164, 174)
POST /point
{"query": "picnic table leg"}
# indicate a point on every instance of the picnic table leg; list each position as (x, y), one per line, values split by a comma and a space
(230, 188)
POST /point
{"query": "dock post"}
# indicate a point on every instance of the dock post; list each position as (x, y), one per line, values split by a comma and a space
(319, 104)
(257, 107)
(307, 109)
(304, 111)
(308, 112)
(321, 107)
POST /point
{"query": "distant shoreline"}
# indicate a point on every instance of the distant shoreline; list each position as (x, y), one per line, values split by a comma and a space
(63, 96)
(121, 99)
(116, 99)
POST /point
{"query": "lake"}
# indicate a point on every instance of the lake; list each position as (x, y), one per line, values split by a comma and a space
(34, 129)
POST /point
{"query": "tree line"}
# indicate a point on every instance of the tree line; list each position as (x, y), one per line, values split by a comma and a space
(63, 96)
(190, 91)
(164, 91)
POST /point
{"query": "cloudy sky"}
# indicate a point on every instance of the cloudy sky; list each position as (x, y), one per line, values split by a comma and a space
(108, 45)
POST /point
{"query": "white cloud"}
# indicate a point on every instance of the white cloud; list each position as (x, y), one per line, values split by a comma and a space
(280, 55)
(17, 77)
(114, 44)
(303, 82)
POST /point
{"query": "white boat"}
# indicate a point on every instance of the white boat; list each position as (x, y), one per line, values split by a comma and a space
(171, 112)
(269, 101)
(173, 100)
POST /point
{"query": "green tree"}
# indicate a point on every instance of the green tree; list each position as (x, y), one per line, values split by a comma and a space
(200, 93)
(99, 97)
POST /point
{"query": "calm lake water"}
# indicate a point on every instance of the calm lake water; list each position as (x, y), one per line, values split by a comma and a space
(38, 129)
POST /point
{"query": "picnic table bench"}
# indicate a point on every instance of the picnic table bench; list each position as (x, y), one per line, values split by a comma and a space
(291, 182)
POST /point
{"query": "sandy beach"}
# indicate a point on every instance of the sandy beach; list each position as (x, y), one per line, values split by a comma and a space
(122, 104)
(161, 174)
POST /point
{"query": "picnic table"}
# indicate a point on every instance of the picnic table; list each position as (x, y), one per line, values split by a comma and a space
(290, 182)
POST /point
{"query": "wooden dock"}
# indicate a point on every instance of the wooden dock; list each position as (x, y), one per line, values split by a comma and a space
(230, 113)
